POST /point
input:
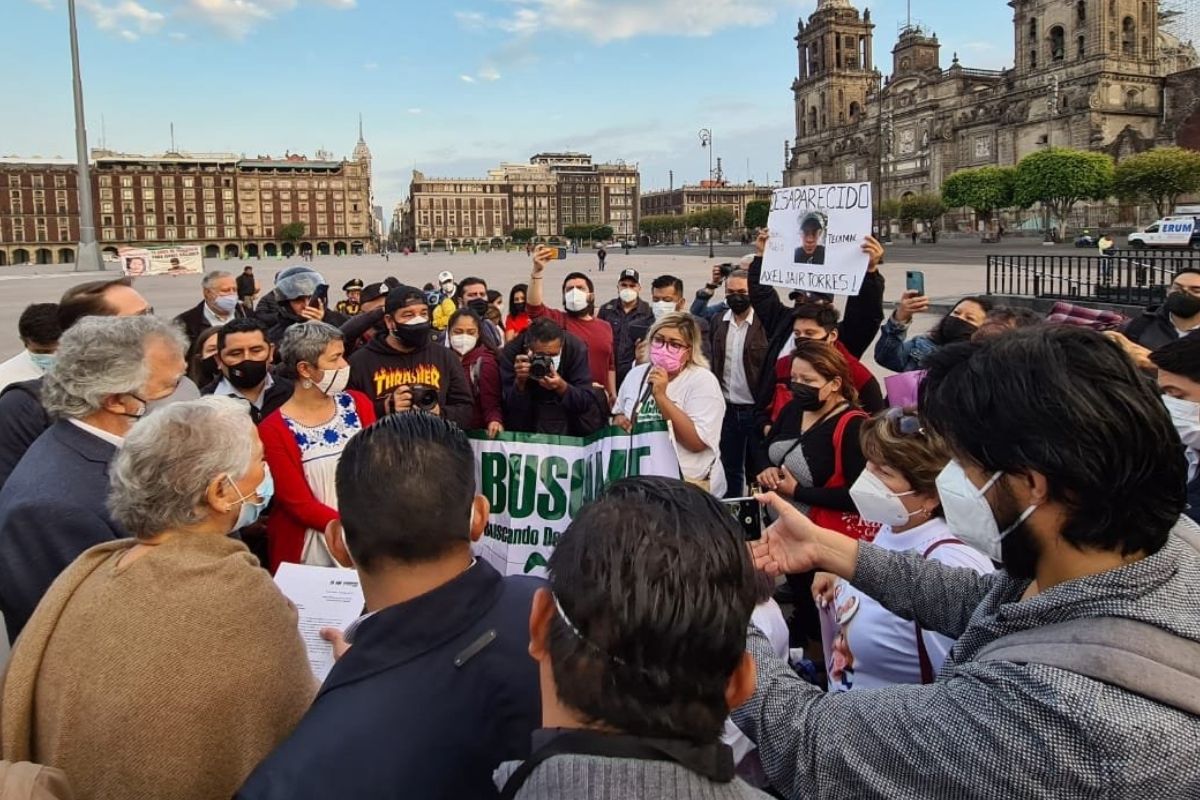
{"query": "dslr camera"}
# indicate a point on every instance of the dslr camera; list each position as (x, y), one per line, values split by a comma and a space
(540, 366)
(424, 396)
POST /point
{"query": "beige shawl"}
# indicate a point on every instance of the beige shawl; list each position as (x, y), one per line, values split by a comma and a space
(172, 676)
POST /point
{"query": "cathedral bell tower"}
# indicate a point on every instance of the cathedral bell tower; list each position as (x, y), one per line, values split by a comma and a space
(836, 72)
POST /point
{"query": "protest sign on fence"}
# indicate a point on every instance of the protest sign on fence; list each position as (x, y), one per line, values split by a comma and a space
(181, 260)
(817, 234)
(536, 484)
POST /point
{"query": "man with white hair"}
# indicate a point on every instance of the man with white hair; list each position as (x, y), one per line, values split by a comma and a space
(111, 371)
(220, 304)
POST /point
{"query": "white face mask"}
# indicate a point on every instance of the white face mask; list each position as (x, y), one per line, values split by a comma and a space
(661, 308)
(1185, 414)
(969, 514)
(575, 300)
(627, 295)
(877, 503)
(463, 343)
(334, 381)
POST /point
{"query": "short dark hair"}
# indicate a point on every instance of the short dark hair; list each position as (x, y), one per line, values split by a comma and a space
(1014, 316)
(87, 300)
(405, 487)
(658, 584)
(240, 325)
(1181, 357)
(824, 315)
(464, 312)
(469, 281)
(663, 281)
(543, 329)
(573, 275)
(1068, 403)
(493, 295)
(829, 363)
(39, 324)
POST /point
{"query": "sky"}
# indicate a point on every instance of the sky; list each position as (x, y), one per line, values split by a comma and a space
(449, 87)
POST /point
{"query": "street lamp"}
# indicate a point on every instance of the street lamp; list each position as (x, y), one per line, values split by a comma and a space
(88, 256)
(706, 142)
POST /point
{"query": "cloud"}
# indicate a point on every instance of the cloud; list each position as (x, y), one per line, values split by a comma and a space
(128, 18)
(489, 73)
(129, 36)
(415, 111)
(238, 18)
(466, 78)
(468, 19)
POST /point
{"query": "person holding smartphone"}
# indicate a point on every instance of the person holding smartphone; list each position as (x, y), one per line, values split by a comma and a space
(896, 352)
(303, 297)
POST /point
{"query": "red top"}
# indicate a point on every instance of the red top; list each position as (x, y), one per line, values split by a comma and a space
(859, 374)
(295, 509)
(597, 336)
(483, 376)
(517, 323)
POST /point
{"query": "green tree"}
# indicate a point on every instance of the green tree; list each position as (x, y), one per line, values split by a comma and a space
(602, 233)
(984, 190)
(757, 212)
(889, 209)
(1158, 176)
(928, 208)
(1058, 178)
(292, 232)
(522, 235)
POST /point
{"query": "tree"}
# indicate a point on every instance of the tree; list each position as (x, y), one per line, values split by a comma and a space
(1158, 176)
(583, 231)
(984, 190)
(1058, 178)
(889, 209)
(757, 212)
(602, 233)
(522, 235)
(292, 232)
(927, 208)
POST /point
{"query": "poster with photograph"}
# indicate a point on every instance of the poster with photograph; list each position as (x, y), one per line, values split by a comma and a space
(138, 262)
(817, 233)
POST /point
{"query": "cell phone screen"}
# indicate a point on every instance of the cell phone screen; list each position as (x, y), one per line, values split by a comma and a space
(320, 296)
(562, 253)
(748, 514)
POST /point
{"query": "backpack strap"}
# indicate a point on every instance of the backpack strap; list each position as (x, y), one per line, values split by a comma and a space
(838, 479)
(1134, 656)
(927, 674)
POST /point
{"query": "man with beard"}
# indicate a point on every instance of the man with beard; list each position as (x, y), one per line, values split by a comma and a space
(1178, 316)
(404, 370)
(579, 319)
(893, 351)
(473, 294)
(1066, 468)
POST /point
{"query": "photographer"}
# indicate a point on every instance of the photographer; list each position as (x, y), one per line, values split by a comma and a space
(547, 384)
(405, 371)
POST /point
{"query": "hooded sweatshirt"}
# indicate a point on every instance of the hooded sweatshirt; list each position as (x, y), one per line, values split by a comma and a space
(377, 369)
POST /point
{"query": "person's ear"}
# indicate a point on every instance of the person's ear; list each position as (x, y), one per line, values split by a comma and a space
(833, 336)
(335, 541)
(480, 509)
(116, 404)
(220, 495)
(741, 683)
(541, 614)
(1032, 486)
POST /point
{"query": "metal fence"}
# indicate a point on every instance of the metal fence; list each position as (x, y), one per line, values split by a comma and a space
(1125, 277)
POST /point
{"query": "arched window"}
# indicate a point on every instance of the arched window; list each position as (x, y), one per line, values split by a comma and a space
(855, 112)
(1145, 13)
(1145, 47)
(1033, 27)
(1033, 59)
(812, 120)
(1128, 36)
(1081, 47)
(1132, 99)
(1112, 41)
(1058, 45)
(1081, 11)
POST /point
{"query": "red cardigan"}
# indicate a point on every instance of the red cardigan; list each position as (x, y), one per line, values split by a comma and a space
(295, 509)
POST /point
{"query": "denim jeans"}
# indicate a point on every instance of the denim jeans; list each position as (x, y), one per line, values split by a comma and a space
(735, 446)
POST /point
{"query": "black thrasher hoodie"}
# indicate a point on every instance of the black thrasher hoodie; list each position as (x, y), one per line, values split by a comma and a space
(377, 369)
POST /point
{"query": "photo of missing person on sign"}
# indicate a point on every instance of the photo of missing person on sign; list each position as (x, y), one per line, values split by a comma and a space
(812, 238)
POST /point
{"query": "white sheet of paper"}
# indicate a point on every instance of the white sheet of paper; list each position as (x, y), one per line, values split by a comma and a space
(833, 262)
(326, 597)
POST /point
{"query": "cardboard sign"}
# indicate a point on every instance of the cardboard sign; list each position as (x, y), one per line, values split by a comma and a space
(536, 483)
(137, 262)
(817, 234)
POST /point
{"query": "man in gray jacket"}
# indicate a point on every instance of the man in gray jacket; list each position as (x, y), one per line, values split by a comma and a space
(1075, 670)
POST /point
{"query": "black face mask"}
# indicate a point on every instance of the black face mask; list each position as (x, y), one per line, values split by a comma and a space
(517, 308)
(1183, 304)
(809, 397)
(412, 335)
(954, 329)
(247, 374)
(479, 306)
(738, 303)
(208, 371)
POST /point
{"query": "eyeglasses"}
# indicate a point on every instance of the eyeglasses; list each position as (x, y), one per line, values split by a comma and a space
(672, 346)
(907, 424)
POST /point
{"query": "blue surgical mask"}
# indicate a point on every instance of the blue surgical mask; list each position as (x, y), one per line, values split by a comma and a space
(226, 303)
(250, 509)
(43, 361)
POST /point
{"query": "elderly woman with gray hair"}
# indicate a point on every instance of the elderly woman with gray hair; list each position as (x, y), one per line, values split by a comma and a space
(166, 665)
(304, 440)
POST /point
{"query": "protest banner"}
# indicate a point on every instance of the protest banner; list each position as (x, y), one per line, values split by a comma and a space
(817, 234)
(536, 483)
(138, 262)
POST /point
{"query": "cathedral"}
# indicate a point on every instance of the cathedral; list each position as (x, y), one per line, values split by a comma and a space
(1086, 74)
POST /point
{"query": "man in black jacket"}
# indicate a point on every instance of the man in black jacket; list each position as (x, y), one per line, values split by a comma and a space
(547, 384)
(1176, 317)
(295, 304)
(244, 358)
(219, 305)
(437, 687)
(396, 370)
(630, 317)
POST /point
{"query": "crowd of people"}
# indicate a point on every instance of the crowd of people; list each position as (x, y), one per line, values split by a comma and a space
(992, 593)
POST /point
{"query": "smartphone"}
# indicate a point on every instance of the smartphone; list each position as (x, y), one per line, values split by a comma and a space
(915, 282)
(748, 513)
(320, 296)
(562, 253)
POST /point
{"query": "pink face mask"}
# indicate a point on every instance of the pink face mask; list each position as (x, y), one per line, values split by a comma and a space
(664, 358)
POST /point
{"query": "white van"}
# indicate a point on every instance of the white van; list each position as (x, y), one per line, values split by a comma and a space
(1175, 231)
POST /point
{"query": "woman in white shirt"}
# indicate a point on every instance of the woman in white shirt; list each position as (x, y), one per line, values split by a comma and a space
(678, 386)
(867, 646)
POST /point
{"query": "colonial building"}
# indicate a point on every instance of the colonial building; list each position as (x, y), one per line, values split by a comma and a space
(547, 195)
(703, 196)
(1087, 74)
(229, 205)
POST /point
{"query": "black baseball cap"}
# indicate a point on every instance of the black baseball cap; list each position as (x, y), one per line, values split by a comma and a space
(630, 275)
(373, 291)
(402, 297)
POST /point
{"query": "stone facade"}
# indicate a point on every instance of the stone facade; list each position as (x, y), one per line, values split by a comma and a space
(39, 212)
(688, 199)
(1091, 74)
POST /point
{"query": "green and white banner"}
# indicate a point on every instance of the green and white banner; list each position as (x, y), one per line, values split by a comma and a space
(537, 483)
